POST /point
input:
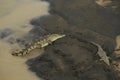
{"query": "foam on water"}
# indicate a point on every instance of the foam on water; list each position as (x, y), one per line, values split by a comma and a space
(15, 16)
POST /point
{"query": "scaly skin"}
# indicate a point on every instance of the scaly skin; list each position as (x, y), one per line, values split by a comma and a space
(102, 54)
(46, 40)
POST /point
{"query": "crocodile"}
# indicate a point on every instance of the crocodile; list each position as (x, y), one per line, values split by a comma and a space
(102, 54)
(41, 43)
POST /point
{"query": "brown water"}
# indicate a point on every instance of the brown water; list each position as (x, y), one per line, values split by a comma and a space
(15, 15)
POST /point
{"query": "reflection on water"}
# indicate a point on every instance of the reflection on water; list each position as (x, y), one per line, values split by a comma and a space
(14, 23)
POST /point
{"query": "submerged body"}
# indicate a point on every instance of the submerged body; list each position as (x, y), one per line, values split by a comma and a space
(46, 40)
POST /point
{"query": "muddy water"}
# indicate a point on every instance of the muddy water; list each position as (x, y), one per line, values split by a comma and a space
(14, 18)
